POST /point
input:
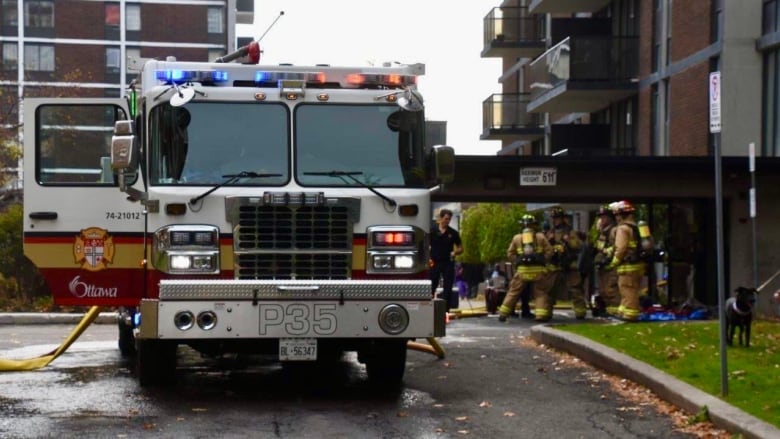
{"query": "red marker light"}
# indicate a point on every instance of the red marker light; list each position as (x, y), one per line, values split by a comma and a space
(254, 52)
(393, 238)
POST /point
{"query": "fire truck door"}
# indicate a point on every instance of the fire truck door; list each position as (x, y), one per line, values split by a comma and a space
(82, 233)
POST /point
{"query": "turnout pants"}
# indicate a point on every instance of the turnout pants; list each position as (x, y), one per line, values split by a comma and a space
(608, 290)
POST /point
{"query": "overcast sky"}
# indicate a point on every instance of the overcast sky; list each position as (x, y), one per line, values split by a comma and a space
(445, 35)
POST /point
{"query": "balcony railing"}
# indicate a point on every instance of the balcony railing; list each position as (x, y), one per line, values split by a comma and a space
(586, 64)
(566, 6)
(513, 29)
(507, 115)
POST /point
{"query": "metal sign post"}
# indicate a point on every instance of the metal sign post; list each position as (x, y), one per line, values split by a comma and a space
(715, 123)
(752, 169)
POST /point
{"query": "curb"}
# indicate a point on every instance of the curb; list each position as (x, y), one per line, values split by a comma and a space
(667, 387)
(35, 318)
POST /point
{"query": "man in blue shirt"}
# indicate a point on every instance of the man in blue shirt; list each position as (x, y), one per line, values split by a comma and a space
(445, 245)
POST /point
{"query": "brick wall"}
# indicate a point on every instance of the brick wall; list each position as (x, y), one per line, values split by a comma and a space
(690, 27)
(689, 118)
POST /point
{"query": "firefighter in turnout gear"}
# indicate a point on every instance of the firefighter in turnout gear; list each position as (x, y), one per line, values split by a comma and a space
(605, 248)
(567, 279)
(627, 261)
(531, 251)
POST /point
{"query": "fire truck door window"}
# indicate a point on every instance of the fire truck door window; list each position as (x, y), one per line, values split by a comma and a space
(356, 138)
(217, 139)
(73, 143)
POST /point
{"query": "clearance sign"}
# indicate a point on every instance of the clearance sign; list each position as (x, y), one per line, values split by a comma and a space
(538, 176)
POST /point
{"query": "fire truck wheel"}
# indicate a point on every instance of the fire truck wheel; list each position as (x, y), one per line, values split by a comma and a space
(386, 363)
(155, 362)
(126, 340)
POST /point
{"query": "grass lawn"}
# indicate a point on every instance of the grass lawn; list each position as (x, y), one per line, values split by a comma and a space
(690, 351)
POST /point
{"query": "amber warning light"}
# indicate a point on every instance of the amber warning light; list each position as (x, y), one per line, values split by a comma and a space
(393, 238)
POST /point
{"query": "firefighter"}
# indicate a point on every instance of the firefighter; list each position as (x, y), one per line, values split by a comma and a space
(627, 261)
(532, 251)
(567, 244)
(604, 250)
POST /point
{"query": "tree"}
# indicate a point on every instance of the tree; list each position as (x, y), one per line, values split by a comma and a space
(21, 278)
(487, 229)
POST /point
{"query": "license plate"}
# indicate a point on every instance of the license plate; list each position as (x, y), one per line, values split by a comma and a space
(297, 349)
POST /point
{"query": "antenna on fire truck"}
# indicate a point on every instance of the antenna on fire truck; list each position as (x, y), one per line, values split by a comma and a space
(272, 25)
(251, 51)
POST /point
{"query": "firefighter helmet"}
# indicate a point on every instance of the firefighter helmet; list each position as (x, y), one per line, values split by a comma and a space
(528, 220)
(605, 209)
(557, 212)
(619, 207)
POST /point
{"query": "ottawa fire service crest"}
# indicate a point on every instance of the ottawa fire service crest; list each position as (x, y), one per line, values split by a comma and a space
(94, 249)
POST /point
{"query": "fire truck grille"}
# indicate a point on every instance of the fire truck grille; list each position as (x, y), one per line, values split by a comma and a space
(292, 242)
(292, 266)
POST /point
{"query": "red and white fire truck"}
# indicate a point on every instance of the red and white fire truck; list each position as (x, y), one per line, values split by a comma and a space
(241, 208)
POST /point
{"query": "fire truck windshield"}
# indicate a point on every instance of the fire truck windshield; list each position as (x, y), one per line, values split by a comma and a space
(381, 144)
(201, 142)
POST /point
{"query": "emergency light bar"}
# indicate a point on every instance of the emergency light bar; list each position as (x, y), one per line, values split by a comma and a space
(351, 80)
(185, 76)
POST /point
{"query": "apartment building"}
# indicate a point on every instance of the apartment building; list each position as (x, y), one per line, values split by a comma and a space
(631, 79)
(82, 47)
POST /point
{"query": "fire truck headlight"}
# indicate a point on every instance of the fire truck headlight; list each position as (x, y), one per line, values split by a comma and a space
(395, 250)
(393, 319)
(186, 249)
(393, 262)
(180, 262)
(404, 261)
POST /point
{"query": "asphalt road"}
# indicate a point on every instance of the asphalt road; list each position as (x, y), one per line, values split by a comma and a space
(492, 383)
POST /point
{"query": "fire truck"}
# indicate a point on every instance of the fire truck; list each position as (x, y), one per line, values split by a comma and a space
(241, 208)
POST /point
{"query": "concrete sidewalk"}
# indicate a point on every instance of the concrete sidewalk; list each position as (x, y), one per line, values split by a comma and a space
(667, 387)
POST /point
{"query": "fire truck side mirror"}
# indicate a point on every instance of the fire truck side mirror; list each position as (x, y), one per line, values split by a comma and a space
(124, 156)
(444, 163)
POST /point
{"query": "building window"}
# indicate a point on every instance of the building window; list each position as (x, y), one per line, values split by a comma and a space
(132, 53)
(215, 21)
(133, 17)
(39, 58)
(113, 59)
(215, 53)
(770, 15)
(771, 110)
(10, 56)
(39, 14)
(112, 14)
(10, 13)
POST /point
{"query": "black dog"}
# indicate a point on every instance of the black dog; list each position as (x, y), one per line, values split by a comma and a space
(739, 314)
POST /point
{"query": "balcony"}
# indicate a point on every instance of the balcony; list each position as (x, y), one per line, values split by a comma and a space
(512, 31)
(584, 74)
(566, 6)
(504, 116)
(581, 140)
(245, 12)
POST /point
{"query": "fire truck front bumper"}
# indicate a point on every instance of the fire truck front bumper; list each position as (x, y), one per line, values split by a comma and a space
(243, 309)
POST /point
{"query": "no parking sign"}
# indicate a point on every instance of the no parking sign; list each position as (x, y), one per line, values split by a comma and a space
(714, 86)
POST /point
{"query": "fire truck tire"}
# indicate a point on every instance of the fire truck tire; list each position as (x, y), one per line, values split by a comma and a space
(155, 362)
(126, 340)
(386, 363)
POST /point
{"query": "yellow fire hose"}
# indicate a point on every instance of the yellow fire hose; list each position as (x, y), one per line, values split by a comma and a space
(433, 347)
(44, 360)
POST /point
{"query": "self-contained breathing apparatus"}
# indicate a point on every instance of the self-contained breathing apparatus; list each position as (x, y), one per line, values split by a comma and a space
(529, 255)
